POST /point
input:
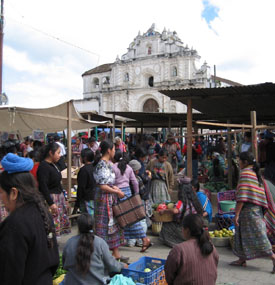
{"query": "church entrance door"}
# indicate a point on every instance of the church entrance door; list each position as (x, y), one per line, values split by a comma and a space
(151, 105)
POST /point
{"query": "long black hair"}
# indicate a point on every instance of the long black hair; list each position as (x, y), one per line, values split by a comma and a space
(249, 157)
(27, 193)
(122, 161)
(85, 246)
(46, 149)
(189, 197)
(104, 147)
(195, 225)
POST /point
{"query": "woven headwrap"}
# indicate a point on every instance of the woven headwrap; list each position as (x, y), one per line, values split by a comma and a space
(13, 163)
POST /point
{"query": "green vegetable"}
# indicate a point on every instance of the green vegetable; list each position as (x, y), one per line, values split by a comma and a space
(60, 270)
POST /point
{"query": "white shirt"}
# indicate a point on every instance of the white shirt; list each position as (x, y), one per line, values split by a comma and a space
(62, 148)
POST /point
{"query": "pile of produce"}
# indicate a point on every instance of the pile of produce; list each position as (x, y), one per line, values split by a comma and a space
(216, 187)
(222, 233)
(163, 206)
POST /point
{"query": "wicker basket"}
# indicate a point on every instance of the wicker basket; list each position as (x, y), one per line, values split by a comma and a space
(165, 218)
(220, 241)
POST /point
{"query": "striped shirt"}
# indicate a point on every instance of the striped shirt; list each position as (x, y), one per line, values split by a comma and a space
(249, 190)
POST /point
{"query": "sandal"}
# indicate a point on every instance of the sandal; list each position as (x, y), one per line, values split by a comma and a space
(146, 245)
(238, 263)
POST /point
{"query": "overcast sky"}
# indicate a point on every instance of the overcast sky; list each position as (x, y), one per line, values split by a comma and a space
(40, 71)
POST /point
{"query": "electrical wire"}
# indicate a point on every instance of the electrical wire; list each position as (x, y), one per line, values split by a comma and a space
(50, 35)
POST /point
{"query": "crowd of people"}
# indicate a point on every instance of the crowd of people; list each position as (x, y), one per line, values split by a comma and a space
(34, 210)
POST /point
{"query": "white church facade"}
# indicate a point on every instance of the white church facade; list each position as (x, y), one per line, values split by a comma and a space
(153, 61)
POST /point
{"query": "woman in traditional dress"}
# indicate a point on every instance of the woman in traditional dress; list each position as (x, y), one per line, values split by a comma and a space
(250, 239)
(173, 149)
(269, 183)
(105, 195)
(162, 178)
(28, 247)
(188, 203)
(76, 152)
(124, 177)
(49, 181)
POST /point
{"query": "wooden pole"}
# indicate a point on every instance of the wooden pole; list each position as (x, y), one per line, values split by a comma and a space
(169, 124)
(96, 135)
(254, 134)
(69, 150)
(189, 138)
(141, 132)
(229, 156)
(114, 127)
(181, 138)
(122, 131)
(223, 125)
(1, 43)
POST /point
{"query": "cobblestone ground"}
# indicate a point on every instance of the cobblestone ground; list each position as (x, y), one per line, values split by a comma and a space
(256, 273)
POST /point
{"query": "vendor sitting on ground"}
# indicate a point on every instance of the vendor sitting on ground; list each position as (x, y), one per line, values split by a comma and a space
(194, 261)
(188, 203)
(205, 202)
(86, 256)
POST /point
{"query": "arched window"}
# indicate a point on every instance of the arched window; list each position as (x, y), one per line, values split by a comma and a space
(96, 83)
(151, 105)
(151, 81)
(126, 77)
(149, 50)
(106, 80)
(174, 71)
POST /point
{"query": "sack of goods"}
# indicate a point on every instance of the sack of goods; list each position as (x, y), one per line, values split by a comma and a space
(129, 211)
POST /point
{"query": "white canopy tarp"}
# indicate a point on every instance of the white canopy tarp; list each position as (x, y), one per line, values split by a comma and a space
(24, 120)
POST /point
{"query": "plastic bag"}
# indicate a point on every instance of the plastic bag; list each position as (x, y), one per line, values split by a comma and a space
(119, 279)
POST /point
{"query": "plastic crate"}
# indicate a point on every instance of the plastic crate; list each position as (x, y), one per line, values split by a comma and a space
(224, 221)
(223, 196)
(155, 276)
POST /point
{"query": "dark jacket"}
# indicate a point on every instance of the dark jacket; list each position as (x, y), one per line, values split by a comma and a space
(49, 180)
(24, 254)
(86, 183)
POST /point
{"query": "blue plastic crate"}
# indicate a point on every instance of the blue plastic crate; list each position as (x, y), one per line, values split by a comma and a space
(155, 276)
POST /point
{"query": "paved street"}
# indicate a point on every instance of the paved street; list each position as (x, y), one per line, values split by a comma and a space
(257, 271)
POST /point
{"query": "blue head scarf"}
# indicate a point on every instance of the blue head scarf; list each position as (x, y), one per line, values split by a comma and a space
(13, 163)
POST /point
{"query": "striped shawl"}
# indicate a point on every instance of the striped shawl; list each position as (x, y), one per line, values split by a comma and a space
(249, 190)
(270, 213)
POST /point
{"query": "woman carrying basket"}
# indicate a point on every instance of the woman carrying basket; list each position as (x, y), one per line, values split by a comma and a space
(105, 196)
(124, 176)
